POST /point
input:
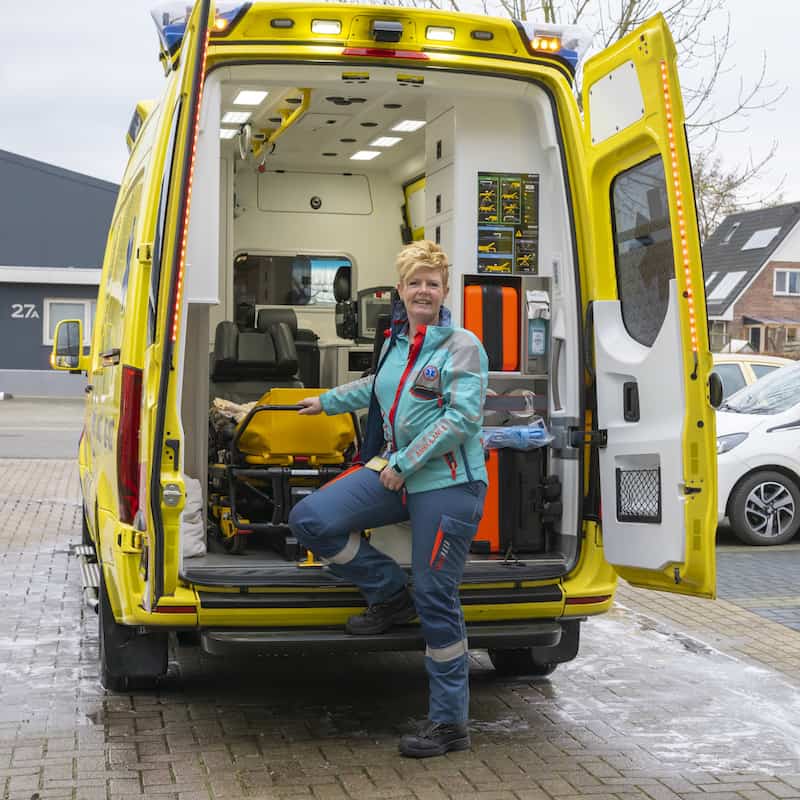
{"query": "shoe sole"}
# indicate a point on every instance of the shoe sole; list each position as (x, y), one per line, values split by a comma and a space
(424, 752)
(398, 620)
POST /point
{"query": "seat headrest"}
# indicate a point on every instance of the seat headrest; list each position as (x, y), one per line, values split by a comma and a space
(341, 285)
(252, 354)
(267, 317)
(245, 315)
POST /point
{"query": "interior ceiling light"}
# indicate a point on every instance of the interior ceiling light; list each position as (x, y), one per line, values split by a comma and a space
(386, 141)
(365, 155)
(331, 27)
(227, 133)
(235, 117)
(408, 125)
(249, 97)
(438, 34)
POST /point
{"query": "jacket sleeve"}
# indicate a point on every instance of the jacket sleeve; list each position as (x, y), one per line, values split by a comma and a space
(465, 376)
(348, 397)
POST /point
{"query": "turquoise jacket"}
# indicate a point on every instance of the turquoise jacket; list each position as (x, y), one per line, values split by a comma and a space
(431, 394)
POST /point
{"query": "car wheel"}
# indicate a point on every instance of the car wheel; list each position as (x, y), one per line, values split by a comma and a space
(519, 662)
(765, 509)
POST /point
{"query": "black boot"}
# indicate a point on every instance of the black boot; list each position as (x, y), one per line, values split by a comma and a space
(436, 739)
(399, 608)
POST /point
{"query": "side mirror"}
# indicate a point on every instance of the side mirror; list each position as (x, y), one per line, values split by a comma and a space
(715, 390)
(67, 353)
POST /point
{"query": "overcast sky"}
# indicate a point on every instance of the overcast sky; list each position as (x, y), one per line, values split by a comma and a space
(71, 74)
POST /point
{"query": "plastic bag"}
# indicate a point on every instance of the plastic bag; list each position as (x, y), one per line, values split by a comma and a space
(517, 437)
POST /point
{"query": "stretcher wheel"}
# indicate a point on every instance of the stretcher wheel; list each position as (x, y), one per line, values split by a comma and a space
(235, 544)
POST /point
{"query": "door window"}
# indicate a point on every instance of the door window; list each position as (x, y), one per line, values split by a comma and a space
(732, 378)
(642, 248)
(760, 370)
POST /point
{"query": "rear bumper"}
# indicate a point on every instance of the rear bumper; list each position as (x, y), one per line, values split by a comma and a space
(544, 634)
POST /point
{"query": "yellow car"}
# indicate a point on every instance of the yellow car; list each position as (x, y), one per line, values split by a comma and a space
(230, 275)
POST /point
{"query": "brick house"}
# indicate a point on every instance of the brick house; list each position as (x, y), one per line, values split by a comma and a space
(752, 275)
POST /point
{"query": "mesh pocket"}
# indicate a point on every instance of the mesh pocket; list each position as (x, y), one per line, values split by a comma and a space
(639, 495)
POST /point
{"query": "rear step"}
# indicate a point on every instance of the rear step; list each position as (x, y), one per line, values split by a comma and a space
(90, 575)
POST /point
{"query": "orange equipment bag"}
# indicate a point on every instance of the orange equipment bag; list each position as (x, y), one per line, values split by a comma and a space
(491, 312)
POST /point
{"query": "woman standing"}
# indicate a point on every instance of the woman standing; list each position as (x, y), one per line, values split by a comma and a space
(430, 386)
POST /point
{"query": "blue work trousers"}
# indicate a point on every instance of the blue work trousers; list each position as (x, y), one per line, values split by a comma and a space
(443, 522)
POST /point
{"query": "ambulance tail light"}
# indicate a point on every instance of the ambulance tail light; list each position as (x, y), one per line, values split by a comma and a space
(128, 443)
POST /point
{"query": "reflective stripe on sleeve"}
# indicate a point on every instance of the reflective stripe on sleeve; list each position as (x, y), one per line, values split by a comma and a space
(348, 552)
(442, 654)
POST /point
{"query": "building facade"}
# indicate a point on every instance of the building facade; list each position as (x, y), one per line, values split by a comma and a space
(53, 228)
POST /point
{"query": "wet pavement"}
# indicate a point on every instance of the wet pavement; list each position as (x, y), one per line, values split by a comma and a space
(669, 698)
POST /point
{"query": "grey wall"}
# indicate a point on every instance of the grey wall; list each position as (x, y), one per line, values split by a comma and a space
(21, 339)
(52, 217)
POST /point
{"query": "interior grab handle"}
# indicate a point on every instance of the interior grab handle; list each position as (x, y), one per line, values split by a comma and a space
(558, 345)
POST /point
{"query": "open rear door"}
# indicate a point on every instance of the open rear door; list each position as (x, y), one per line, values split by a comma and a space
(658, 469)
(161, 475)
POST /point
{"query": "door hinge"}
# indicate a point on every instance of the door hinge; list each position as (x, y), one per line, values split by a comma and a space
(580, 437)
(144, 252)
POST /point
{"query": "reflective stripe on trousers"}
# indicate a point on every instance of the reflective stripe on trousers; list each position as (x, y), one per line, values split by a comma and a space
(443, 523)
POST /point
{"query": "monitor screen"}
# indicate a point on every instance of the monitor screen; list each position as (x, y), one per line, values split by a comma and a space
(371, 304)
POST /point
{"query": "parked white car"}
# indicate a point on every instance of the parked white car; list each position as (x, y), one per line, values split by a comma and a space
(758, 453)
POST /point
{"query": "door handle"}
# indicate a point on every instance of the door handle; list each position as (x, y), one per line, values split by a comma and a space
(555, 364)
(630, 401)
(89, 388)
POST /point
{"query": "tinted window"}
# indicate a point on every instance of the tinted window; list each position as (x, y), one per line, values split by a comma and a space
(298, 280)
(760, 370)
(732, 378)
(642, 248)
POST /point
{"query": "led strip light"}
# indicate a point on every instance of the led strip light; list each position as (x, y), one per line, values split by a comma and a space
(676, 182)
(185, 227)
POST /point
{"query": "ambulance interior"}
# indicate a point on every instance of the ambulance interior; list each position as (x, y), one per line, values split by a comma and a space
(313, 174)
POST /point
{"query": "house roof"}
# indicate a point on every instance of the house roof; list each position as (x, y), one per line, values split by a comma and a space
(739, 247)
(52, 217)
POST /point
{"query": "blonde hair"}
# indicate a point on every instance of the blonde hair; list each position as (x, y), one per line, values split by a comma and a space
(423, 254)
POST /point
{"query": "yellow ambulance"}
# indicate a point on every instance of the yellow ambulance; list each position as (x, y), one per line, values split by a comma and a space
(294, 150)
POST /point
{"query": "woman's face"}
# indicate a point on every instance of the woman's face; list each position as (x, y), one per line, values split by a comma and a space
(423, 294)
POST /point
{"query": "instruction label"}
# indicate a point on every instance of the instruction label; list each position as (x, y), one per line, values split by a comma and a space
(508, 223)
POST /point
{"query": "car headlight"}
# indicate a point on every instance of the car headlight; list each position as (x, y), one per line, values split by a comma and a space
(726, 443)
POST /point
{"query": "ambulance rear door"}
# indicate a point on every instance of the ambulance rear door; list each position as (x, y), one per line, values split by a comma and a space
(160, 469)
(648, 321)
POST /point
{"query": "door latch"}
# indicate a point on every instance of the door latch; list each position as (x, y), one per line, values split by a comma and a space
(580, 437)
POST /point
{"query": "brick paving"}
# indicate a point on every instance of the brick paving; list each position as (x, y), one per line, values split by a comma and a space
(670, 699)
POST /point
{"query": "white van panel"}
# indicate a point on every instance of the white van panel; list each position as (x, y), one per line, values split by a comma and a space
(201, 274)
(294, 192)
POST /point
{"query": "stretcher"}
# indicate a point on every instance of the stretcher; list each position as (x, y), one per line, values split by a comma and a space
(274, 459)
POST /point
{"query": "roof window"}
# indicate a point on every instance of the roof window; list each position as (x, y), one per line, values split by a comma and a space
(761, 238)
(711, 278)
(726, 285)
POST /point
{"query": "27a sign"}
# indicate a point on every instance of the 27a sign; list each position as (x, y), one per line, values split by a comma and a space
(24, 311)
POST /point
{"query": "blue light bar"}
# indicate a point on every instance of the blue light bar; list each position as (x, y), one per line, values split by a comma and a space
(171, 18)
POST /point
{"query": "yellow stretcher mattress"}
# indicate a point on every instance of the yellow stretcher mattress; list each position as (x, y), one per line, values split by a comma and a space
(279, 437)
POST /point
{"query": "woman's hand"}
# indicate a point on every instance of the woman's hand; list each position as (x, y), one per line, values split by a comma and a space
(310, 405)
(391, 480)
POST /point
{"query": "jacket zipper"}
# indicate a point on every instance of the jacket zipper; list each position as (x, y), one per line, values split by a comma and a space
(413, 352)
